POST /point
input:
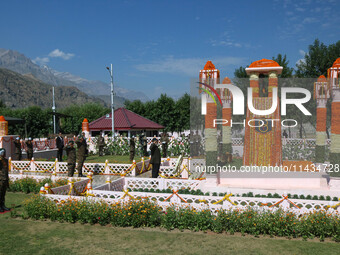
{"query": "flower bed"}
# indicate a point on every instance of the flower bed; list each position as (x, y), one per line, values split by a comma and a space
(145, 213)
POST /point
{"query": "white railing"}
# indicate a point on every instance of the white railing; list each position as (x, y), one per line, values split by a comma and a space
(60, 168)
(213, 203)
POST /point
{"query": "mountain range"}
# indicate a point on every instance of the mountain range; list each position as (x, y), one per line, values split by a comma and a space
(19, 63)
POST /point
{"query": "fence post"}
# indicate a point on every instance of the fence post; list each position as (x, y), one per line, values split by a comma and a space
(32, 165)
(134, 170)
(9, 164)
(107, 169)
(161, 185)
(55, 170)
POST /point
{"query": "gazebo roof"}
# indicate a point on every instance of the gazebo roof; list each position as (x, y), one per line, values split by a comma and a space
(123, 120)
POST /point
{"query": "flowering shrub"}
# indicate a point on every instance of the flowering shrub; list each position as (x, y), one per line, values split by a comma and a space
(137, 213)
(121, 146)
(28, 185)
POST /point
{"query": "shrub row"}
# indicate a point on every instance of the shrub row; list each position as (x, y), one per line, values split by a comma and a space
(145, 213)
(249, 194)
(28, 185)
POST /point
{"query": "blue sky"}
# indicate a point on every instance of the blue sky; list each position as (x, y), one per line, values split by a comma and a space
(158, 46)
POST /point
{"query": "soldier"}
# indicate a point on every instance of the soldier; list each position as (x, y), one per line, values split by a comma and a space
(155, 158)
(29, 149)
(17, 144)
(4, 180)
(71, 158)
(60, 147)
(101, 143)
(81, 154)
(132, 148)
(164, 141)
(144, 143)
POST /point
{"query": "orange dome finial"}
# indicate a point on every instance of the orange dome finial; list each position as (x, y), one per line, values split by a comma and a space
(85, 120)
(264, 63)
(322, 78)
(226, 80)
(2, 118)
(209, 66)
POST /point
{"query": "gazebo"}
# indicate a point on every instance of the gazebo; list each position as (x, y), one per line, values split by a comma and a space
(126, 123)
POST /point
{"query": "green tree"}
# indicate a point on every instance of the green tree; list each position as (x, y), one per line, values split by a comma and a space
(318, 59)
(182, 112)
(91, 111)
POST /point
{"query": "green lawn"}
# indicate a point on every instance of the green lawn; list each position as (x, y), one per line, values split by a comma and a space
(45, 237)
(111, 159)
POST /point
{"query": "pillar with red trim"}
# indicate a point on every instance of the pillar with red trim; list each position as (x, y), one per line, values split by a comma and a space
(321, 95)
(86, 128)
(262, 142)
(226, 97)
(334, 75)
(210, 76)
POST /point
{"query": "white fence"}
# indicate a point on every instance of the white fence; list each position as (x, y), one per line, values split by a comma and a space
(118, 191)
(60, 168)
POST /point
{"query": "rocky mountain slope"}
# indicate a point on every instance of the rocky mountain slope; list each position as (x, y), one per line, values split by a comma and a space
(17, 91)
(19, 63)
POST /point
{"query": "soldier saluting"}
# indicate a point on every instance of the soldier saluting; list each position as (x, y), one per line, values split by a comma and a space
(164, 141)
(132, 147)
(17, 145)
(71, 158)
(101, 143)
(4, 179)
(81, 154)
(29, 151)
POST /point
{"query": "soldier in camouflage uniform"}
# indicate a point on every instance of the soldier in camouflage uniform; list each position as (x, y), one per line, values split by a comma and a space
(164, 141)
(29, 151)
(144, 144)
(101, 144)
(4, 179)
(71, 158)
(132, 148)
(17, 145)
(81, 154)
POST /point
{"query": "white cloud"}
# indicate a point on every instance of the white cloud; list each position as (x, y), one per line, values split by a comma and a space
(41, 61)
(187, 66)
(302, 53)
(60, 54)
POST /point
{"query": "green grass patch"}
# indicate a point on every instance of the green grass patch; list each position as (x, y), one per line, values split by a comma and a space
(20, 236)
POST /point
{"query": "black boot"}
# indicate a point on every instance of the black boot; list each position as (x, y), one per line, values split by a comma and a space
(5, 208)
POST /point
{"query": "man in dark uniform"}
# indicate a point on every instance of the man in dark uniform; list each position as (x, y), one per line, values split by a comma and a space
(81, 154)
(60, 147)
(29, 150)
(155, 158)
(17, 145)
(164, 141)
(71, 158)
(132, 147)
(4, 179)
(101, 144)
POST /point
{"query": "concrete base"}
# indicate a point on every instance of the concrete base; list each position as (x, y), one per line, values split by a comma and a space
(334, 183)
(271, 181)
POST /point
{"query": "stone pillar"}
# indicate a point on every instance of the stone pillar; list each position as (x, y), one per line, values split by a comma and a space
(321, 94)
(86, 128)
(210, 135)
(335, 129)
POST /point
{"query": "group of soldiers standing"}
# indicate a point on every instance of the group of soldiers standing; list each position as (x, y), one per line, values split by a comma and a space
(18, 151)
(78, 155)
